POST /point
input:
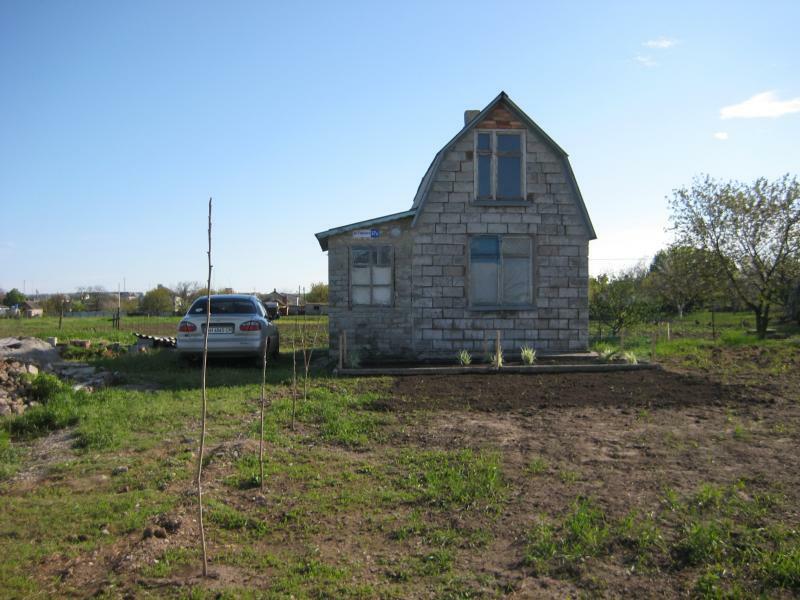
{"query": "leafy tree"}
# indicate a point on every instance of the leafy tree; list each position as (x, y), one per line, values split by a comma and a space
(53, 305)
(752, 230)
(620, 300)
(13, 297)
(318, 292)
(157, 301)
(187, 292)
(682, 276)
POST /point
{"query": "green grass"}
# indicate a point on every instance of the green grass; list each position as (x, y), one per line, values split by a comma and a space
(457, 479)
(536, 466)
(582, 534)
(99, 329)
(724, 535)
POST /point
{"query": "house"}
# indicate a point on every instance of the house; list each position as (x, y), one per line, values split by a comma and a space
(496, 240)
(284, 303)
(31, 309)
(316, 308)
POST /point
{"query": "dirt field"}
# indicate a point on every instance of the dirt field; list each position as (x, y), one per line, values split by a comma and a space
(462, 486)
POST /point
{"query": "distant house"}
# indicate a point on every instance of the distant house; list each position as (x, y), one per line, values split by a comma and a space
(285, 303)
(497, 239)
(316, 308)
(30, 309)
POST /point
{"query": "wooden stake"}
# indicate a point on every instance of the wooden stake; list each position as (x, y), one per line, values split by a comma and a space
(497, 350)
(668, 336)
(205, 405)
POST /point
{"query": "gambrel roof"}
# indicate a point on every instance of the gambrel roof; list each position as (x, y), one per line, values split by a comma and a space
(427, 180)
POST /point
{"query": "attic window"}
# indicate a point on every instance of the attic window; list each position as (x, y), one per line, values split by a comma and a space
(500, 170)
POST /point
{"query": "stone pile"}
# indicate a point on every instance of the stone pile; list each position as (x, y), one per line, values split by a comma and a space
(15, 387)
(22, 358)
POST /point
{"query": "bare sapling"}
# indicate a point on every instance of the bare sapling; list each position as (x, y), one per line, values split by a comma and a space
(204, 411)
(294, 371)
(308, 351)
(263, 403)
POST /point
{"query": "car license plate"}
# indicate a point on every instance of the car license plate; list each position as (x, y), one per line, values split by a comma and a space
(220, 329)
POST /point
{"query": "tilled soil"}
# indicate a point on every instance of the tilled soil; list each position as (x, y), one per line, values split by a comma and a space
(621, 439)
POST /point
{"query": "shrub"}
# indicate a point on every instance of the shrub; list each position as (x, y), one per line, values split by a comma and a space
(45, 387)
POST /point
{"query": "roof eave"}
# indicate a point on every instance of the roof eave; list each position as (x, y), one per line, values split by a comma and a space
(322, 237)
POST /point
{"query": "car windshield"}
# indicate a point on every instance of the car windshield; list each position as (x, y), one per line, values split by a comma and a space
(224, 306)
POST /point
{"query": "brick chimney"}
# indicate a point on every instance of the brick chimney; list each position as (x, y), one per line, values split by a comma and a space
(469, 115)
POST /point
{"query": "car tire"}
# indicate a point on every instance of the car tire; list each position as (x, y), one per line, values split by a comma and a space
(275, 352)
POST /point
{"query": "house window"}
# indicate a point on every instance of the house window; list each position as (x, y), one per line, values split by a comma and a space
(500, 168)
(371, 275)
(501, 269)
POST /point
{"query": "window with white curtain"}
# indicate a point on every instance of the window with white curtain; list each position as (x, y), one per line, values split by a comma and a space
(371, 275)
(501, 271)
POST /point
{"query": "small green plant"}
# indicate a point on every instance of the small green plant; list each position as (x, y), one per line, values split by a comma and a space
(536, 466)
(630, 358)
(464, 358)
(605, 352)
(528, 355)
(353, 359)
(497, 358)
(568, 476)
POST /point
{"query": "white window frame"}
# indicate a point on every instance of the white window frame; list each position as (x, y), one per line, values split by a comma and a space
(492, 199)
(371, 284)
(500, 305)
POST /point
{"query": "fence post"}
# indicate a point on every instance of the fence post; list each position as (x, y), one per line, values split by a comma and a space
(341, 352)
(344, 346)
(668, 336)
(653, 338)
(497, 350)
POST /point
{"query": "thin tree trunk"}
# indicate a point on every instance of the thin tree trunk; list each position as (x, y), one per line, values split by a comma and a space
(762, 321)
(294, 373)
(205, 406)
(263, 402)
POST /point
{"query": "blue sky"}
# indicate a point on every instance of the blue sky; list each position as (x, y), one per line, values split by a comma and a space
(119, 120)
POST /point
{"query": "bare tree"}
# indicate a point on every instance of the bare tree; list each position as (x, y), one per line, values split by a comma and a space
(753, 230)
(308, 351)
(186, 291)
(263, 402)
(294, 371)
(205, 406)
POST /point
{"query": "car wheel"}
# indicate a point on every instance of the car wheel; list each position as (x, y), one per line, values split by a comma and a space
(276, 350)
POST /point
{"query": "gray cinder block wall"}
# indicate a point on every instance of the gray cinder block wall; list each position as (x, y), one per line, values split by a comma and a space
(430, 316)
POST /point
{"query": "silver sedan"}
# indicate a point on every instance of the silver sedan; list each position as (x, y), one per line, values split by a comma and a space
(239, 326)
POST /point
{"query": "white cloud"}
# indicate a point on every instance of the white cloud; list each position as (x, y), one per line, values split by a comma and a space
(765, 104)
(645, 61)
(721, 135)
(661, 43)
